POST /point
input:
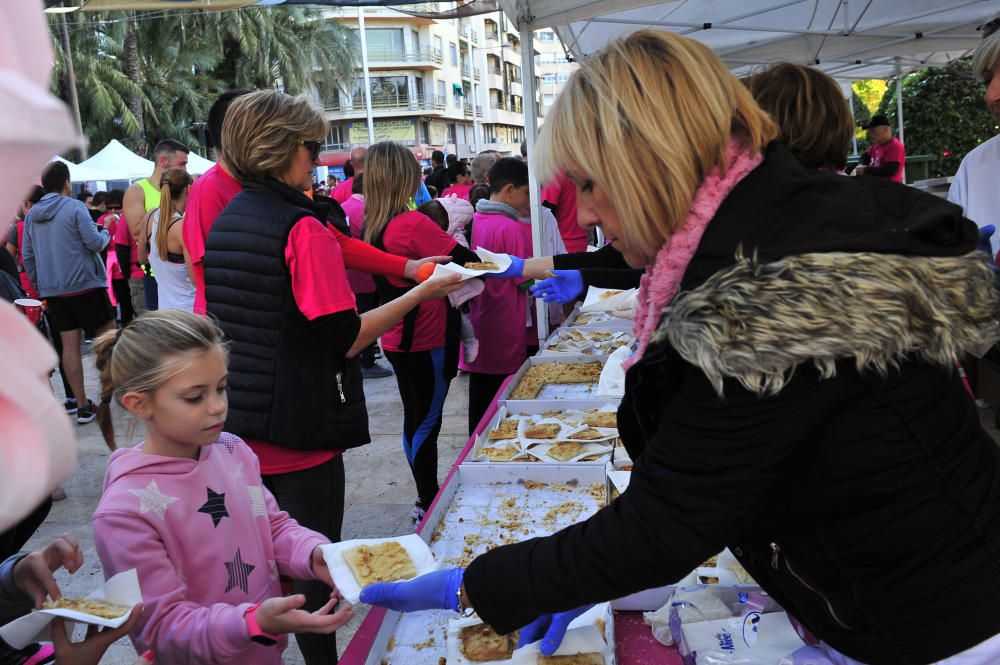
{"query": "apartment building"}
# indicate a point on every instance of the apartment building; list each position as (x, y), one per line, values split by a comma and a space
(452, 85)
(552, 67)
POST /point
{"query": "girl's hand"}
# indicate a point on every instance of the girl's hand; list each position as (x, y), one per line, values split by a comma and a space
(92, 648)
(410, 271)
(438, 287)
(320, 570)
(277, 616)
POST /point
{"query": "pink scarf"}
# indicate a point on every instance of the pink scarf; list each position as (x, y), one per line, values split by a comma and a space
(662, 279)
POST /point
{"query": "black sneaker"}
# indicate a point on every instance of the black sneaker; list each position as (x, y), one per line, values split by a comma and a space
(86, 414)
(70, 406)
(376, 371)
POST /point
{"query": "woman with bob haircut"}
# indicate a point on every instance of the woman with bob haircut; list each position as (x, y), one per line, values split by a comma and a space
(793, 395)
(814, 119)
(275, 280)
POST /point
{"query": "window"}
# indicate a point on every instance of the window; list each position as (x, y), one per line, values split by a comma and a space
(456, 95)
(415, 40)
(441, 93)
(334, 139)
(452, 133)
(423, 132)
(496, 99)
(548, 99)
(384, 41)
(549, 79)
(547, 58)
(439, 46)
(561, 59)
(563, 77)
(387, 92)
(546, 36)
(453, 53)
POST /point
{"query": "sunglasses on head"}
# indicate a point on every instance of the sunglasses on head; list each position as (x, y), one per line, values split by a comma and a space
(313, 147)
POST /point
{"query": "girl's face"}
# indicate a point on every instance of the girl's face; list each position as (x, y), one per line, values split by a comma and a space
(188, 410)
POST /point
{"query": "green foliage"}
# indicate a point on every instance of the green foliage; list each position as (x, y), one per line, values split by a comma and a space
(943, 114)
(187, 58)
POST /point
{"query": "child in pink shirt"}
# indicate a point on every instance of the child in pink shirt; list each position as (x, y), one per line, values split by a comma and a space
(186, 508)
(501, 315)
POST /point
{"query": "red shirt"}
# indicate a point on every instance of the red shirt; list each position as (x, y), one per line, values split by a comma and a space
(319, 285)
(109, 221)
(125, 239)
(342, 191)
(561, 193)
(891, 151)
(415, 235)
(210, 194)
(461, 190)
(354, 208)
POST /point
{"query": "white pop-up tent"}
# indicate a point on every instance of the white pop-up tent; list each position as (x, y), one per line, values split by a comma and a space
(119, 163)
(198, 164)
(79, 174)
(848, 39)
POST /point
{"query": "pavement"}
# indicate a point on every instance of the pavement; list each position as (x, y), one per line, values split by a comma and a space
(379, 492)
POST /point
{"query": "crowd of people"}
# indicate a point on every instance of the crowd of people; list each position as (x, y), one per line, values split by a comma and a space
(793, 394)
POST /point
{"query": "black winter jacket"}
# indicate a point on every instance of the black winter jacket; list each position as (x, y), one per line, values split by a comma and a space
(800, 404)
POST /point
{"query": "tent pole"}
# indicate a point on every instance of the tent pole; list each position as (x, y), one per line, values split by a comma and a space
(854, 122)
(528, 103)
(899, 106)
(367, 76)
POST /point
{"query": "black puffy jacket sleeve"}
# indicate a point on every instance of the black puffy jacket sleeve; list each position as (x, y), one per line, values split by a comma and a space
(605, 257)
(705, 470)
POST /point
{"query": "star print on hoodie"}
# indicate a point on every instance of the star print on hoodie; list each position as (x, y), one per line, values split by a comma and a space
(202, 534)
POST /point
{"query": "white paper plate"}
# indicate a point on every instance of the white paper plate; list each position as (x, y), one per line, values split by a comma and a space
(344, 578)
(503, 262)
(595, 303)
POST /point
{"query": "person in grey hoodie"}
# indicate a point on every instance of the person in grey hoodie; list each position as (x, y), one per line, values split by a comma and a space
(62, 256)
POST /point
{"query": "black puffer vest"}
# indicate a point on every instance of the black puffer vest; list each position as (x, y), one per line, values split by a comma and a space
(285, 386)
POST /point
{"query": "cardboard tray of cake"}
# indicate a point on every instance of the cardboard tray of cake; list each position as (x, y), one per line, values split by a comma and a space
(562, 376)
(582, 341)
(482, 507)
(596, 321)
(554, 432)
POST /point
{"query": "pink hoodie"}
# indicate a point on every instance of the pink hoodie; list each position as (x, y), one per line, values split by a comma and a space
(208, 541)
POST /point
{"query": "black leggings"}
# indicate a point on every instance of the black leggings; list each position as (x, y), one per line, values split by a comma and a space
(423, 388)
(482, 389)
(315, 499)
(124, 298)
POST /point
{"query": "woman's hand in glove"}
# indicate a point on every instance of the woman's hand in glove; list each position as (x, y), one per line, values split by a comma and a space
(550, 629)
(515, 269)
(433, 591)
(565, 286)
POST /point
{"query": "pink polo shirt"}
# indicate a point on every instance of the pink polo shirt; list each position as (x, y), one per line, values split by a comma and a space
(561, 193)
(499, 314)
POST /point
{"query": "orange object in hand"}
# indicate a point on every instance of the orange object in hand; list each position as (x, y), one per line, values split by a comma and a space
(425, 271)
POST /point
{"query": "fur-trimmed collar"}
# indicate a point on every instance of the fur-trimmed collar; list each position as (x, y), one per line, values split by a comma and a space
(755, 322)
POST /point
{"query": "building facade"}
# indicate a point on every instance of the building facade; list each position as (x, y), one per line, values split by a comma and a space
(453, 85)
(552, 68)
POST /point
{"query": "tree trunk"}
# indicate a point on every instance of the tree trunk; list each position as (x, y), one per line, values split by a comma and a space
(137, 142)
(74, 102)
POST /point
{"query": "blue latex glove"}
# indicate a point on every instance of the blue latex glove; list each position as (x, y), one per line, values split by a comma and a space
(566, 286)
(550, 629)
(985, 234)
(433, 591)
(516, 269)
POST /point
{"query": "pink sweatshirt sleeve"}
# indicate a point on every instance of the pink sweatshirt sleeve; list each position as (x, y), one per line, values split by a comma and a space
(175, 629)
(293, 543)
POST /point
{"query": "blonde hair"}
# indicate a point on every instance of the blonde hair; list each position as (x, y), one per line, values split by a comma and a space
(814, 118)
(146, 353)
(173, 182)
(392, 175)
(986, 55)
(665, 106)
(263, 130)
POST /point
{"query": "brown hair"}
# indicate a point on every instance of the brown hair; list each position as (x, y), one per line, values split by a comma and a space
(392, 175)
(173, 182)
(814, 117)
(263, 130)
(146, 353)
(664, 104)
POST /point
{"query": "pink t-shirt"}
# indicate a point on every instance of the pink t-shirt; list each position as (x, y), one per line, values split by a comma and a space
(124, 238)
(892, 151)
(462, 191)
(342, 191)
(317, 268)
(561, 193)
(415, 235)
(210, 194)
(499, 314)
(354, 208)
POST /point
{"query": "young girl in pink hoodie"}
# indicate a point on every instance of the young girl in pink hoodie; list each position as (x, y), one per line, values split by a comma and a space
(187, 509)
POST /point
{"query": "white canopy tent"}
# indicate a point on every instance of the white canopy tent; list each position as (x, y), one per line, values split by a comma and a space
(79, 174)
(198, 164)
(119, 163)
(848, 39)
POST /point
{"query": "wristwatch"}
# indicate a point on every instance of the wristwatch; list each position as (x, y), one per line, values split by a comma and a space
(256, 634)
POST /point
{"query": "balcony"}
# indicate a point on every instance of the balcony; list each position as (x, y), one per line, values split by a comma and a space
(468, 34)
(467, 110)
(418, 58)
(468, 73)
(390, 104)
